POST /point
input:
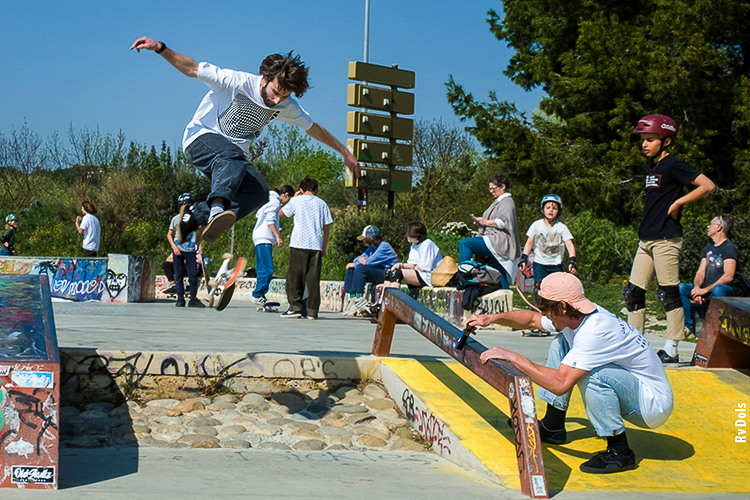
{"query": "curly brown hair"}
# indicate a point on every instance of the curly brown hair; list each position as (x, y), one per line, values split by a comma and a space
(288, 70)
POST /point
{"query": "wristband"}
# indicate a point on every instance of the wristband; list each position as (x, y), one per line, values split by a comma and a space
(572, 263)
(163, 46)
(524, 258)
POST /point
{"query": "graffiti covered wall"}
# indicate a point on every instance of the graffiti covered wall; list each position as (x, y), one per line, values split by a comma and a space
(119, 278)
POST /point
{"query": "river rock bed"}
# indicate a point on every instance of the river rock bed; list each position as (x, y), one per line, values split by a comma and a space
(348, 419)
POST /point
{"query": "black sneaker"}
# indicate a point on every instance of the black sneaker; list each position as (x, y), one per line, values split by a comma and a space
(609, 461)
(187, 224)
(196, 302)
(667, 359)
(290, 314)
(557, 436)
(170, 291)
(180, 302)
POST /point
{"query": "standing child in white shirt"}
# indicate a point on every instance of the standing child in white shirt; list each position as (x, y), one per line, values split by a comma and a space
(549, 238)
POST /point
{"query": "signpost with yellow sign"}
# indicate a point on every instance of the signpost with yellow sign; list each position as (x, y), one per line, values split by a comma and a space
(390, 153)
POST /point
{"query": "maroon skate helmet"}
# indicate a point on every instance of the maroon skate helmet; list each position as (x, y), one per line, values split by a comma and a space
(662, 125)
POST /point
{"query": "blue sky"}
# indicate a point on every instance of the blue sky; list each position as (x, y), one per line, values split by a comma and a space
(68, 63)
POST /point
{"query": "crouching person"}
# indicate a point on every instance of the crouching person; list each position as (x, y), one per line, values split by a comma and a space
(618, 373)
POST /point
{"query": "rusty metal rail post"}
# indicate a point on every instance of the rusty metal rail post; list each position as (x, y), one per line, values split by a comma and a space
(502, 375)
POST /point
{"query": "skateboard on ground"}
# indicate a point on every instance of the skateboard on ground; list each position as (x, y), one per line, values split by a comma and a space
(222, 286)
(269, 307)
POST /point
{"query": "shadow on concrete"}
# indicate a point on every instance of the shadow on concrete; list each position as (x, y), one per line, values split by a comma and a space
(81, 467)
(99, 444)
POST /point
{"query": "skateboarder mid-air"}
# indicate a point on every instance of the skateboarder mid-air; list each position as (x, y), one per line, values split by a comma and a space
(232, 114)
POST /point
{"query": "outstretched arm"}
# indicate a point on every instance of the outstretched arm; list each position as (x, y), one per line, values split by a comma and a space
(184, 64)
(519, 319)
(319, 133)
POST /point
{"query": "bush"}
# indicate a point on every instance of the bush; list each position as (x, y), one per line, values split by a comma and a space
(603, 250)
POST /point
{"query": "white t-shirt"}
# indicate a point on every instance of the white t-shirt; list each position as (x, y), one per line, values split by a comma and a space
(549, 242)
(310, 215)
(91, 232)
(234, 108)
(189, 244)
(427, 256)
(604, 338)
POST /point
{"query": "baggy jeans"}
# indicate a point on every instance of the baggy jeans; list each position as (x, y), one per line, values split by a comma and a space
(232, 176)
(610, 393)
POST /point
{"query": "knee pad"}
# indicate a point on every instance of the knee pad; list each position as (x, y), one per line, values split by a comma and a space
(635, 297)
(394, 275)
(669, 297)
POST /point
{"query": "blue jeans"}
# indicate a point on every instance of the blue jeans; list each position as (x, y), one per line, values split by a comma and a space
(468, 247)
(5, 251)
(185, 265)
(690, 307)
(263, 268)
(355, 279)
(541, 271)
(232, 176)
(610, 393)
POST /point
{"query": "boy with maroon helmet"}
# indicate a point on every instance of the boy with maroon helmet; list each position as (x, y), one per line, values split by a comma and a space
(660, 232)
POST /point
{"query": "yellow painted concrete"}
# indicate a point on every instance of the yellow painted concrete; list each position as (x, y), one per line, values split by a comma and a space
(693, 452)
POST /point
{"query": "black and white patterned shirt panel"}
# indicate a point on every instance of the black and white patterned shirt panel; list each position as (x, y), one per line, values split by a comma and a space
(244, 118)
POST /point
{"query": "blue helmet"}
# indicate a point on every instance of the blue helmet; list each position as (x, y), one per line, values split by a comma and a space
(185, 199)
(11, 217)
(552, 197)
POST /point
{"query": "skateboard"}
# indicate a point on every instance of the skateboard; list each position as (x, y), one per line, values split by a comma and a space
(534, 333)
(205, 261)
(222, 286)
(269, 307)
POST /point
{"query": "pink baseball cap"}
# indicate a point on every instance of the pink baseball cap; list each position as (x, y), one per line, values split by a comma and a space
(564, 287)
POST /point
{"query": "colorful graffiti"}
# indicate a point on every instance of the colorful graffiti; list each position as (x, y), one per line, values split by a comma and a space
(124, 278)
(79, 279)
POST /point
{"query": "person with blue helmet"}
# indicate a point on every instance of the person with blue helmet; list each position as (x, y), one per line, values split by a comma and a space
(8, 246)
(549, 238)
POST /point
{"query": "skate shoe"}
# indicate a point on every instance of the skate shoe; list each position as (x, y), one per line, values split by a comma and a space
(218, 224)
(609, 461)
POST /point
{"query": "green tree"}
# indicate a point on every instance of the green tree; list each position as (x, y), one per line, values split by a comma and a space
(603, 65)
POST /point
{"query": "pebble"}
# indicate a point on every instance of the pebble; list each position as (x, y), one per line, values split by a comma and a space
(348, 419)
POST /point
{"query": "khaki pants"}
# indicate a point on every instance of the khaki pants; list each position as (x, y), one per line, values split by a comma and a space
(663, 258)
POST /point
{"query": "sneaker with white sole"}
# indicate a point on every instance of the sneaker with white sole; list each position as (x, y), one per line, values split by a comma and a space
(261, 301)
(290, 314)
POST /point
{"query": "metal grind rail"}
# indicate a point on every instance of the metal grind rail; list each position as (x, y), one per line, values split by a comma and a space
(501, 375)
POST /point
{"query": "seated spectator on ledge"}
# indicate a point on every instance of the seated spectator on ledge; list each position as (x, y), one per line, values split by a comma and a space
(715, 274)
(424, 257)
(370, 266)
(498, 239)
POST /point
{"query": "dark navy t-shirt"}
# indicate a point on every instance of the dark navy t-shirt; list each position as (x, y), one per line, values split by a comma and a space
(715, 257)
(665, 182)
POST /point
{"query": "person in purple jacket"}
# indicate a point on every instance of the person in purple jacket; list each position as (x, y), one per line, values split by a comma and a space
(371, 265)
